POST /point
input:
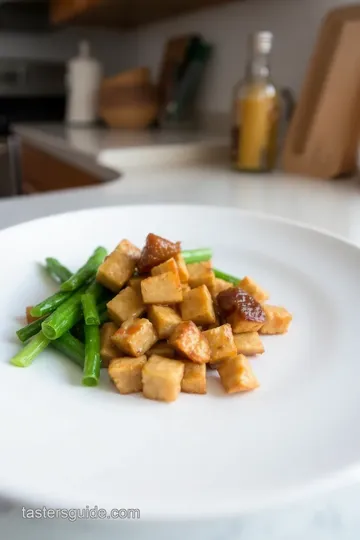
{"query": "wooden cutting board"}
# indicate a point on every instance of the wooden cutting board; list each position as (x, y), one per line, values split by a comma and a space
(324, 133)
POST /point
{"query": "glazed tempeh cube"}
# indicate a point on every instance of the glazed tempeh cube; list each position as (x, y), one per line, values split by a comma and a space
(118, 267)
(162, 348)
(108, 351)
(126, 373)
(241, 310)
(198, 306)
(162, 289)
(237, 375)
(194, 380)
(182, 268)
(189, 341)
(278, 320)
(167, 266)
(221, 341)
(201, 274)
(126, 305)
(161, 378)
(164, 319)
(156, 251)
(251, 287)
(135, 337)
(249, 344)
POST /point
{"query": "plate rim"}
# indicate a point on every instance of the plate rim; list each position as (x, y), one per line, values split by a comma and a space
(251, 213)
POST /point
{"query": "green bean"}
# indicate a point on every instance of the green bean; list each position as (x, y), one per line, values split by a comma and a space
(197, 255)
(64, 317)
(57, 270)
(26, 356)
(92, 364)
(71, 347)
(28, 331)
(50, 304)
(85, 272)
(226, 277)
(91, 315)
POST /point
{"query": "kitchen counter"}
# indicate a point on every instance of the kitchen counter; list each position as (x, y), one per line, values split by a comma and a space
(108, 152)
(334, 206)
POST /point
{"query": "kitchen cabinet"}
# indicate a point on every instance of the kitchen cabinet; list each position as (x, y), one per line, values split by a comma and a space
(42, 171)
(122, 13)
(62, 11)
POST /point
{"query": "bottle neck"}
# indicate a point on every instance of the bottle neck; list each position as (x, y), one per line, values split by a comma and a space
(258, 67)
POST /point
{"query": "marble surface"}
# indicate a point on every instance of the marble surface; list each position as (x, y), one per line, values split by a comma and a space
(334, 206)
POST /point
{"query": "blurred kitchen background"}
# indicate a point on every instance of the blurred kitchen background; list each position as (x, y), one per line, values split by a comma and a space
(66, 63)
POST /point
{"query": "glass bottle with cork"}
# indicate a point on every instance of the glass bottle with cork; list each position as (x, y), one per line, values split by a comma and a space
(256, 111)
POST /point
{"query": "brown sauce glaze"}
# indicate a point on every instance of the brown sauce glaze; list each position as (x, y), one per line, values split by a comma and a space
(239, 301)
(156, 251)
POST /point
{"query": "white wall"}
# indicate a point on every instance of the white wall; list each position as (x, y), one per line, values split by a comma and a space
(110, 47)
(294, 23)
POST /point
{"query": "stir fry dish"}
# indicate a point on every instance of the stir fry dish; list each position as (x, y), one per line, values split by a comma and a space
(156, 319)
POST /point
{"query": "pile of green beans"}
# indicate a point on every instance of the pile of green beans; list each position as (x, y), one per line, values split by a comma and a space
(59, 313)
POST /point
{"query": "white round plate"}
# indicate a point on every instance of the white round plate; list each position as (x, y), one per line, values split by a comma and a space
(64, 445)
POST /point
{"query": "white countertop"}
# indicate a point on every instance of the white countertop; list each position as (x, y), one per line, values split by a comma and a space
(107, 152)
(331, 205)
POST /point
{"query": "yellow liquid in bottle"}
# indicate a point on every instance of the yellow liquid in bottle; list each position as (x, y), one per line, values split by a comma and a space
(257, 121)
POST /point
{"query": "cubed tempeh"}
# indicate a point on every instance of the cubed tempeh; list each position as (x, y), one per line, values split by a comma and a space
(164, 319)
(162, 378)
(239, 325)
(129, 249)
(167, 266)
(251, 287)
(162, 289)
(185, 288)
(219, 286)
(126, 305)
(214, 324)
(189, 341)
(126, 373)
(135, 337)
(221, 341)
(201, 274)
(118, 267)
(182, 268)
(237, 375)
(278, 320)
(249, 343)
(135, 282)
(194, 380)
(108, 351)
(162, 348)
(198, 306)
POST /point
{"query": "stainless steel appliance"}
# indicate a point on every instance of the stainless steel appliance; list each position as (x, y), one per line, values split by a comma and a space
(30, 91)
